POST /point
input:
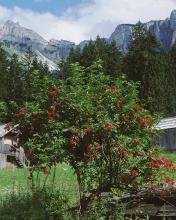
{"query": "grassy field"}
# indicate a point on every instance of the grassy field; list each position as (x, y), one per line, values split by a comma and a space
(28, 204)
(171, 156)
(17, 180)
(65, 180)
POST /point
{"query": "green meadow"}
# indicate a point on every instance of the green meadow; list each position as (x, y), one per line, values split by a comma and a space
(62, 178)
(14, 179)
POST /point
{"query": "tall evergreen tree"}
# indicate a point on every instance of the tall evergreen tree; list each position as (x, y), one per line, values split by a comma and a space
(146, 62)
(30, 64)
(93, 51)
(3, 76)
(172, 80)
(14, 80)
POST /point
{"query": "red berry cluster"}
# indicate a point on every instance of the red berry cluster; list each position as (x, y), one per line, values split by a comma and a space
(114, 90)
(108, 127)
(21, 113)
(168, 183)
(123, 153)
(92, 151)
(53, 92)
(144, 122)
(139, 108)
(52, 116)
(163, 162)
(133, 173)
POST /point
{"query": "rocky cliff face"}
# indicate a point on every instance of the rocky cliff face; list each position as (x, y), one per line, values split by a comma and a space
(164, 30)
(58, 49)
(122, 36)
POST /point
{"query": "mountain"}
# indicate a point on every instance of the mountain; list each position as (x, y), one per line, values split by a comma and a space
(17, 39)
(164, 30)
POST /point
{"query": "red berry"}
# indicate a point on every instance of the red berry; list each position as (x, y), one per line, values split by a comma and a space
(89, 148)
(89, 158)
(52, 116)
(108, 127)
(53, 92)
(133, 173)
(113, 86)
(72, 141)
(76, 132)
(78, 139)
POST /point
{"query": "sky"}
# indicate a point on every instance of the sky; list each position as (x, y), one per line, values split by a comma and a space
(77, 20)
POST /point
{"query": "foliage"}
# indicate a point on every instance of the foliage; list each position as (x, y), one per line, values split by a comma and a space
(171, 71)
(147, 63)
(40, 204)
(3, 110)
(14, 77)
(106, 138)
(91, 52)
(7, 110)
(105, 208)
(49, 204)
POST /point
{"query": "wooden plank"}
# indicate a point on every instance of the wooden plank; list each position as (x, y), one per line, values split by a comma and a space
(167, 211)
(168, 208)
(171, 214)
(148, 209)
(3, 159)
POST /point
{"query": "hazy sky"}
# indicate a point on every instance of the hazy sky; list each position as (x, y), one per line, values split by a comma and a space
(76, 20)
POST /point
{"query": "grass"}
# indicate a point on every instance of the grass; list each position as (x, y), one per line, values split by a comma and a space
(12, 180)
(16, 180)
(171, 156)
(17, 202)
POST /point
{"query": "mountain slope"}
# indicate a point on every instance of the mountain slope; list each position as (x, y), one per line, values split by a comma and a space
(18, 39)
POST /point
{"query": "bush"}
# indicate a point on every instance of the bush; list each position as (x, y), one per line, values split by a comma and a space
(99, 128)
(40, 204)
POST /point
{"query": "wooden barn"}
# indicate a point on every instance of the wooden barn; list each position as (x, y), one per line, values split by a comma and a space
(168, 133)
(10, 153)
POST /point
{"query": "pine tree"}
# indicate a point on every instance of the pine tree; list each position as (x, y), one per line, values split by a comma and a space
(93, 51)
(172, 80)
(113, 61)
(14, 80)
(31, 63)
(89, 54)
(146, 63)
(3, 76)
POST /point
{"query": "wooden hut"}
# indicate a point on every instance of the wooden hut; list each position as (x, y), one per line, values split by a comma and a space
(10, 153)
(168, 133)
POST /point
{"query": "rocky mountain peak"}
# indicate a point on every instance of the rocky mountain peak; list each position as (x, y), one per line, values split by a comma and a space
(11, 24)
(173, 20)
(122, 35)
(14, 32)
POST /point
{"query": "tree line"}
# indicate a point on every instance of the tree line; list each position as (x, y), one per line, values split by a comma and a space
(146, 62)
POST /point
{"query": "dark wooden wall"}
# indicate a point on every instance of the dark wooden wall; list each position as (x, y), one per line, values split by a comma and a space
(168, 139)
